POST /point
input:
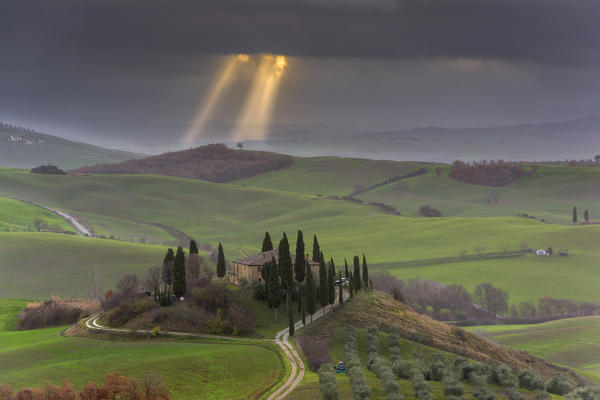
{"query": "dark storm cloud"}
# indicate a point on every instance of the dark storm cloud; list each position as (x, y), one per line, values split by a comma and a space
(153, 33)
(121, 70)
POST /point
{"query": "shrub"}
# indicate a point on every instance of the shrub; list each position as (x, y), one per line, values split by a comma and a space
(531, 381)
(128, 309)
(502, 375)
(452, 386)
(315, 351)
(484, 393)
(213, 297)
(54, 312)
(381, 367)
(513, 394)
(372, 345)
(428, 211)
(258, 290)
(421, 387)
(155, 331)
(584, 393)
(559, 385)
(328, 382)
(542, 395)
(48, 169)
(438, 368)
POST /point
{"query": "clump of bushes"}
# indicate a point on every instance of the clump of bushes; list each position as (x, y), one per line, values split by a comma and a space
(381, 367)
(54, 312)
(421, 387)
(328, 382)
(116, 386)
(428, 211)
(372, 345)
(360, 390)
(315, 351)
(452, 386)
(584, 393)
(531, 381)
(48, 169)
(502, 375)
(559, 385)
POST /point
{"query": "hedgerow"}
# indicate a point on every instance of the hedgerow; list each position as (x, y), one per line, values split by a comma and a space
(354, 369)
(328, 382)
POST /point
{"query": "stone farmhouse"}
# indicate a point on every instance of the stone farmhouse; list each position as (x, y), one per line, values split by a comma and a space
(250, 268)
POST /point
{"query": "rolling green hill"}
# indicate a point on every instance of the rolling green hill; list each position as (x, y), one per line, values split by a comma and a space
(47, 149)
(38, 265)
(238, 216)
(572, 342)
(207, 370)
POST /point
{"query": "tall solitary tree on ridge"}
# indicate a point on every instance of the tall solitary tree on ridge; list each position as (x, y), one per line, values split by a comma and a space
(323, 284)
(179, 284)
(300, 265)
(331, 283)
(310, 296)
(285, 268)
(365, 272)
(574, 215)
(351, 285)
(267, 244)
(356, 274)
(346, 268)
(221, 270)
(291, 322)
(274, 286)
(193, 268)
(167, 270)
(586, 215)
(316, 254)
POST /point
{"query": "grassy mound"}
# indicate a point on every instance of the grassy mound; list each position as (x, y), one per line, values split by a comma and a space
(383, 311)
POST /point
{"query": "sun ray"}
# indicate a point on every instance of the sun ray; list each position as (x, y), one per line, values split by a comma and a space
(258, 108)
(224, 79)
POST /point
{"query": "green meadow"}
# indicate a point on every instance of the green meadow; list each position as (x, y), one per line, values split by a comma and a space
(238, 216)
(37, 265)
(207, 370)
(571, 342)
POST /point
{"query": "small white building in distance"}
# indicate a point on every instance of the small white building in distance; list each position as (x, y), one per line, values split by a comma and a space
(541, 252)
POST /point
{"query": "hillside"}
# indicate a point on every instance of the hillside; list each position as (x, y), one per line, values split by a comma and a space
(384, 312)
(572, 342)
(25, 148)
(215, 163)
(238, 216)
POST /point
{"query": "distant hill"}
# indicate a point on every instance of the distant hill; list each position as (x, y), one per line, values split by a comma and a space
(573, 139)
(25, 148)
(215, 163)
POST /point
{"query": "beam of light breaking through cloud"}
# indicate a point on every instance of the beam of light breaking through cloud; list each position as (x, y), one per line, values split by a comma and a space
(224, 79)
(258, 108)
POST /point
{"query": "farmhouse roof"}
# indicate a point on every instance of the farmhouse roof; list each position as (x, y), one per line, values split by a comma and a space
(261, 258)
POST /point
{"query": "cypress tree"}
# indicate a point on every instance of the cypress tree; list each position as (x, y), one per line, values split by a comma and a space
(340, 289)
(274, 286)
(346, 268)
(586, 215)
(323, 284)
(365, 272)
(316, 254)
(167, 270)
(310, 297)
(193, 268)
(574, 215)
(179, 284)
(221, 270)
(264, 273)
(303, 311)
(285, 268)
(300, 261)
(331, 283)
(291, 318)
(267, 244)
(351, 286)
(356, 274)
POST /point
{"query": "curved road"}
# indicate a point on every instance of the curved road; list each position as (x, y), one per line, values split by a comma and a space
(71, 221)
(296, 363)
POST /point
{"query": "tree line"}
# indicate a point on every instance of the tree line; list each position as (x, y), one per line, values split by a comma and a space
(487, 173)
(287, 280)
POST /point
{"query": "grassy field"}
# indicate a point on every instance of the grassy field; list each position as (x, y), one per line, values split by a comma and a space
(9, 308)
(572, 342)
(18, 216)
(38, 265)
(550, 194)
(238, 216)
(329, 176)
(208, 370)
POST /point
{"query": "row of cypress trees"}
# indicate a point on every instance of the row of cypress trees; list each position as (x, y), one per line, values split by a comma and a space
(283, 276)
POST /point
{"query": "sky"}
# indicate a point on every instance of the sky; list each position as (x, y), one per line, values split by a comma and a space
(120, 72)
